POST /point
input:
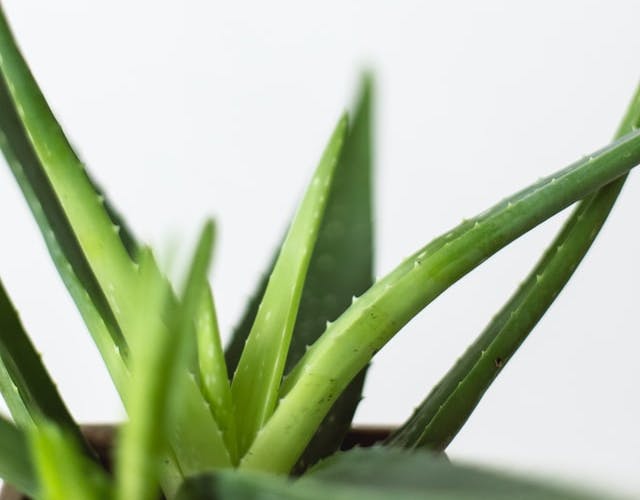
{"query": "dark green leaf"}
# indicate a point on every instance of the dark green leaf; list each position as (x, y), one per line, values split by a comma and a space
(376, 474)
(16, 467)
(341, 267)
(37, 391)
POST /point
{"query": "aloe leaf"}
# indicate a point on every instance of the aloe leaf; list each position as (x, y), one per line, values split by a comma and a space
(96, 235)
(61, 241)
(64, 472)
(84, 242)
(166, 338)
(341, 266)
(140, 439)
(12, 398)
(349, 343)
(125, 233)
(16, 467)
(257, 379)
(213, 371)
(37, 392)
(377, 474)
(445, 410)
(234, 348)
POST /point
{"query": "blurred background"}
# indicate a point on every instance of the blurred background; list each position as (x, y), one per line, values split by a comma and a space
(188, 109)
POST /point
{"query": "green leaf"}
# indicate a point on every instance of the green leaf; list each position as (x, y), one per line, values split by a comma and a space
(127, 237)
(341, 266)
(256, 382)
(141, 439)
(213, 372)
(64, 472)
(445, 410)
(87, 248)
(376, 474)
(96, 235)
(166, 338)
(233, 351)
(37, 392)
(58, 233)
(16, 467)
(349, 343)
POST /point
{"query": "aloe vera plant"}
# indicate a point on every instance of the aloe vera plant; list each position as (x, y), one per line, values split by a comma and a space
(267, 417)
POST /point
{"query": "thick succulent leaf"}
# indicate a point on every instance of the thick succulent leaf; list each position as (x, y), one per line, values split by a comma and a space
(349, 343)
(213, 371)
(63, 471)
(16, 466)
(13, 399)
(376, 473)
(59, 236)
(58, 164)
(61, 241)
(256, 382)
(233, 350)
(341, 267)
(445, 410)
(165, 339)
(37, 392)
(140, 439)
(85, 244)
(125, 233)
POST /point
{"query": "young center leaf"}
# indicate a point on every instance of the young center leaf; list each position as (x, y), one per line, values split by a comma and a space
(155, 397)
(256, 382)
(445, 410)
(349, 343)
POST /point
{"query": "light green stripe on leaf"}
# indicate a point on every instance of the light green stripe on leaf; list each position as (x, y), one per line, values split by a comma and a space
(257, 379)
(350, 342)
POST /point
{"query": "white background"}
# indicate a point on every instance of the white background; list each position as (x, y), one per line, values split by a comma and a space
(193, 108)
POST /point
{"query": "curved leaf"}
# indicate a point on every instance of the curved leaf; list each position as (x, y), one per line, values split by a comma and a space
(349, 343)
(445, 410)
